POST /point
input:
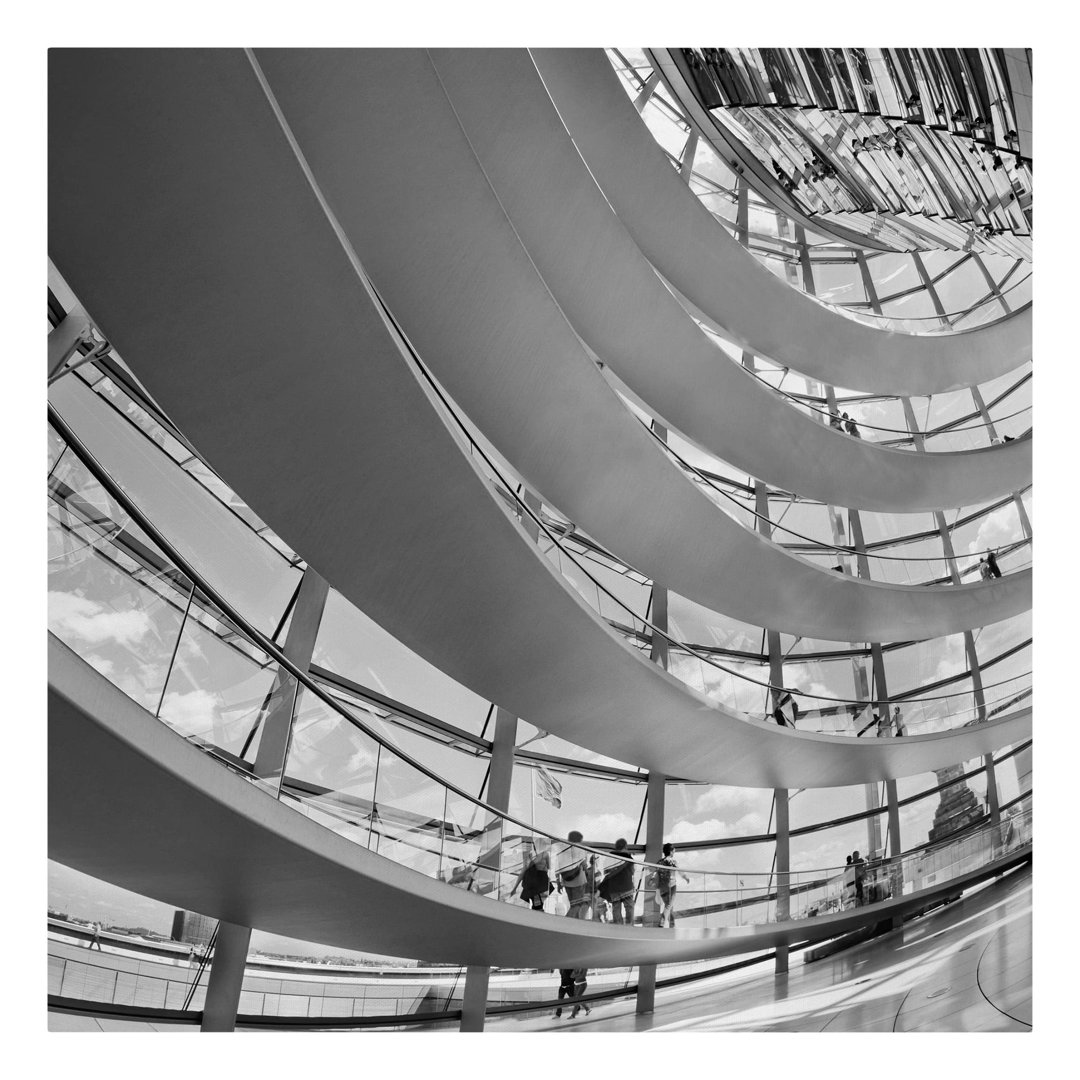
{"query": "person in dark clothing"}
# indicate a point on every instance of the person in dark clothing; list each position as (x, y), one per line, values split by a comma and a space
(534, 880)
(991, 565)
(580, 986)
(852, 428)
(566, 987)
(618, 885)
(860, 872)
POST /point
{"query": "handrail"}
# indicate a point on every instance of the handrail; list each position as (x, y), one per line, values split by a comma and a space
(271, 649)
(863, 425)
(839, 548)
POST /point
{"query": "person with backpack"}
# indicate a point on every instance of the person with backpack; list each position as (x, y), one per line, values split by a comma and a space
(574, 877)
(665, 884)
(618, 885)
(533, 879)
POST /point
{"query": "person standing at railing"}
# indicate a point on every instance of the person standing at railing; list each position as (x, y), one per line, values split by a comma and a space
(95, 941)
(859, 865)
(991, 564)
(666, 886)
(618, 885)
(533, 879)
(574, 877)
(851, 427)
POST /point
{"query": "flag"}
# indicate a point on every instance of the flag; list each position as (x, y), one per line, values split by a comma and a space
(548, 788)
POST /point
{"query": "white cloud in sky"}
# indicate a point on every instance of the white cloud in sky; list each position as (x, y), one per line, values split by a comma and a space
(715, 829)
(606, 827)
(101, 664)
(194, 712)
(1000, 527)
(71, 615)
(720, 797)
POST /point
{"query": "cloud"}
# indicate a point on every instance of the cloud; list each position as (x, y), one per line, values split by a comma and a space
(721, 797)
(194, 712)
(71, 615)
(828, 855)
(101, 664)
(604, 827)
(996, 529)
(952, 658)
(715, 829)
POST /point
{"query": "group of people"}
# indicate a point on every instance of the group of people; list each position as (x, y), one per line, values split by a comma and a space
(856, 862)
(988, 567)
(843, 422)
(592, 893)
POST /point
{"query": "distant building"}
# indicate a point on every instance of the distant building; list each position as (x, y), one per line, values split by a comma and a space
(958, 807)
(194, 929)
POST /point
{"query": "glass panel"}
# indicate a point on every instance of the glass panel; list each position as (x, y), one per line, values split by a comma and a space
(233, 559)
(119, 605)
(331, 769)
(219, 690)
(409, 819)
(354, 646)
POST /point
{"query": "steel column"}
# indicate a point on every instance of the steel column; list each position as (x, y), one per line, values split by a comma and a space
(226, 977)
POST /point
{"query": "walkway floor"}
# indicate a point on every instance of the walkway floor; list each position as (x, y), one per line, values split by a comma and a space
(964, 967)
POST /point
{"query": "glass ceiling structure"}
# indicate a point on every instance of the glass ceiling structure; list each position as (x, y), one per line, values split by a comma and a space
(856, 176)
(950, 261)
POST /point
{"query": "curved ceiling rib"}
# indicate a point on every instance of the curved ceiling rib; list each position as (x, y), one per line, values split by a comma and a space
(613, 299)
(440, 248)
(712, 270)
(201, 251)
(297, 877)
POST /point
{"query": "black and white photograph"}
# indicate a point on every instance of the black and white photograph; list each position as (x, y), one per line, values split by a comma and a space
(539, 539)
